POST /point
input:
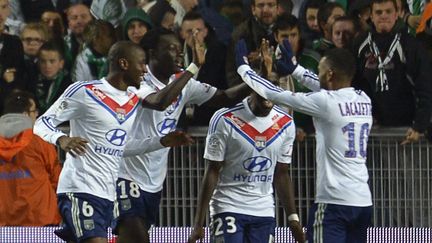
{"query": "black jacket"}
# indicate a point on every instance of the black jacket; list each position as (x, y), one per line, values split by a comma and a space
(408, 100)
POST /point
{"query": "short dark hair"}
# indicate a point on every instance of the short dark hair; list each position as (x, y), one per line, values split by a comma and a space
(287, 5)
(384, 1)
(192, 15)
(314, 4)
(152, 38)
(52, 46)
(346, 18)
(252, 2)
(121, 49)
(325, 11)
(285, 21)
(18, 101)
(341, 61)
(95, 28)
(159, 10)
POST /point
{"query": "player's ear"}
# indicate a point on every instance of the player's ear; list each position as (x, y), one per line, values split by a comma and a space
(330, 74)
(123, 63)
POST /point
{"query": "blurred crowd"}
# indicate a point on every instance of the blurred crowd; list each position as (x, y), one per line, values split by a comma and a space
(46, 45)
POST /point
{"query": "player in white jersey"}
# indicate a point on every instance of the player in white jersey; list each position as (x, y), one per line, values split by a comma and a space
(248, 150)
(141, 177)
(343, 118)
(101, 113)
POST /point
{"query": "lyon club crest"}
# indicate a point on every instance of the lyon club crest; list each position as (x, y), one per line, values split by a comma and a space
(260, 142)
(121, 114)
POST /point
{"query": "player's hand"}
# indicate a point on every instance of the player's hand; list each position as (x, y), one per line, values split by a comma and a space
(198, 50)
(286, 62)
(176, 138)
(76, 146)
(196, 234)
(241, 53)
(297, 231)
(411, 136)
(267, 55)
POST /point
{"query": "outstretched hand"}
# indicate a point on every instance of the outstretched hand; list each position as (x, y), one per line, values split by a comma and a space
(286, 62)
(176, 138)
(241, 53)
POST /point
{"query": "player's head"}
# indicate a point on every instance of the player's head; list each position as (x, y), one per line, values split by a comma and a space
(21, 102)
(336, 69)
(129, 59)
(164, 51)
(259, 105)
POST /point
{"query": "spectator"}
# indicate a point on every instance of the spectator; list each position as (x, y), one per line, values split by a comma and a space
(360, 10)
(212, 71)
(33, 35)
(54, 21)
(181, 7)
(309, 21)
(29, 167)
(11, 57)
(327, 13)
(253, 30)
(52, 79)
(344, 30)
(78, 17)
(91, 63)
(162, 15)
(394, 69)
(135, 24)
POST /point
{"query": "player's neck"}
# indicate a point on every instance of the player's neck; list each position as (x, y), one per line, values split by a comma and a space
(117, 81)
(257, 110)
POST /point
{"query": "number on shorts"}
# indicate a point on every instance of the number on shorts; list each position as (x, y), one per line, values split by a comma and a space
(231, 227)
(87, 209)
(133, 189)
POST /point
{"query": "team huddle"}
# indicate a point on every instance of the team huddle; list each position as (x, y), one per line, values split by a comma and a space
(121, 128)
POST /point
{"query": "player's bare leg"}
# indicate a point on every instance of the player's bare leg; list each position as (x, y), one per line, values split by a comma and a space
(133, 229)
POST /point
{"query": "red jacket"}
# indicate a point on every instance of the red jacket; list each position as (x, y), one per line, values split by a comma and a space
(29, 171)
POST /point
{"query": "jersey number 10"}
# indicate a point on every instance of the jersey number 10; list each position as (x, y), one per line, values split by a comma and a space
(363, 135)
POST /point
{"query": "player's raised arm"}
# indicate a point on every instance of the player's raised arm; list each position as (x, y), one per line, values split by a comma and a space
(287, 64)
(312, 104)
(162, 99)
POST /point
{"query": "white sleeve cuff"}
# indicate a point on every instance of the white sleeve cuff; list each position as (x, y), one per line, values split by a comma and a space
(298, 72)
(243, 69)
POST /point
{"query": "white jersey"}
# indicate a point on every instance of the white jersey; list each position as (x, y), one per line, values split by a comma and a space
(149, 170)
(101, 114)
(250, 147)
(343, 119)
